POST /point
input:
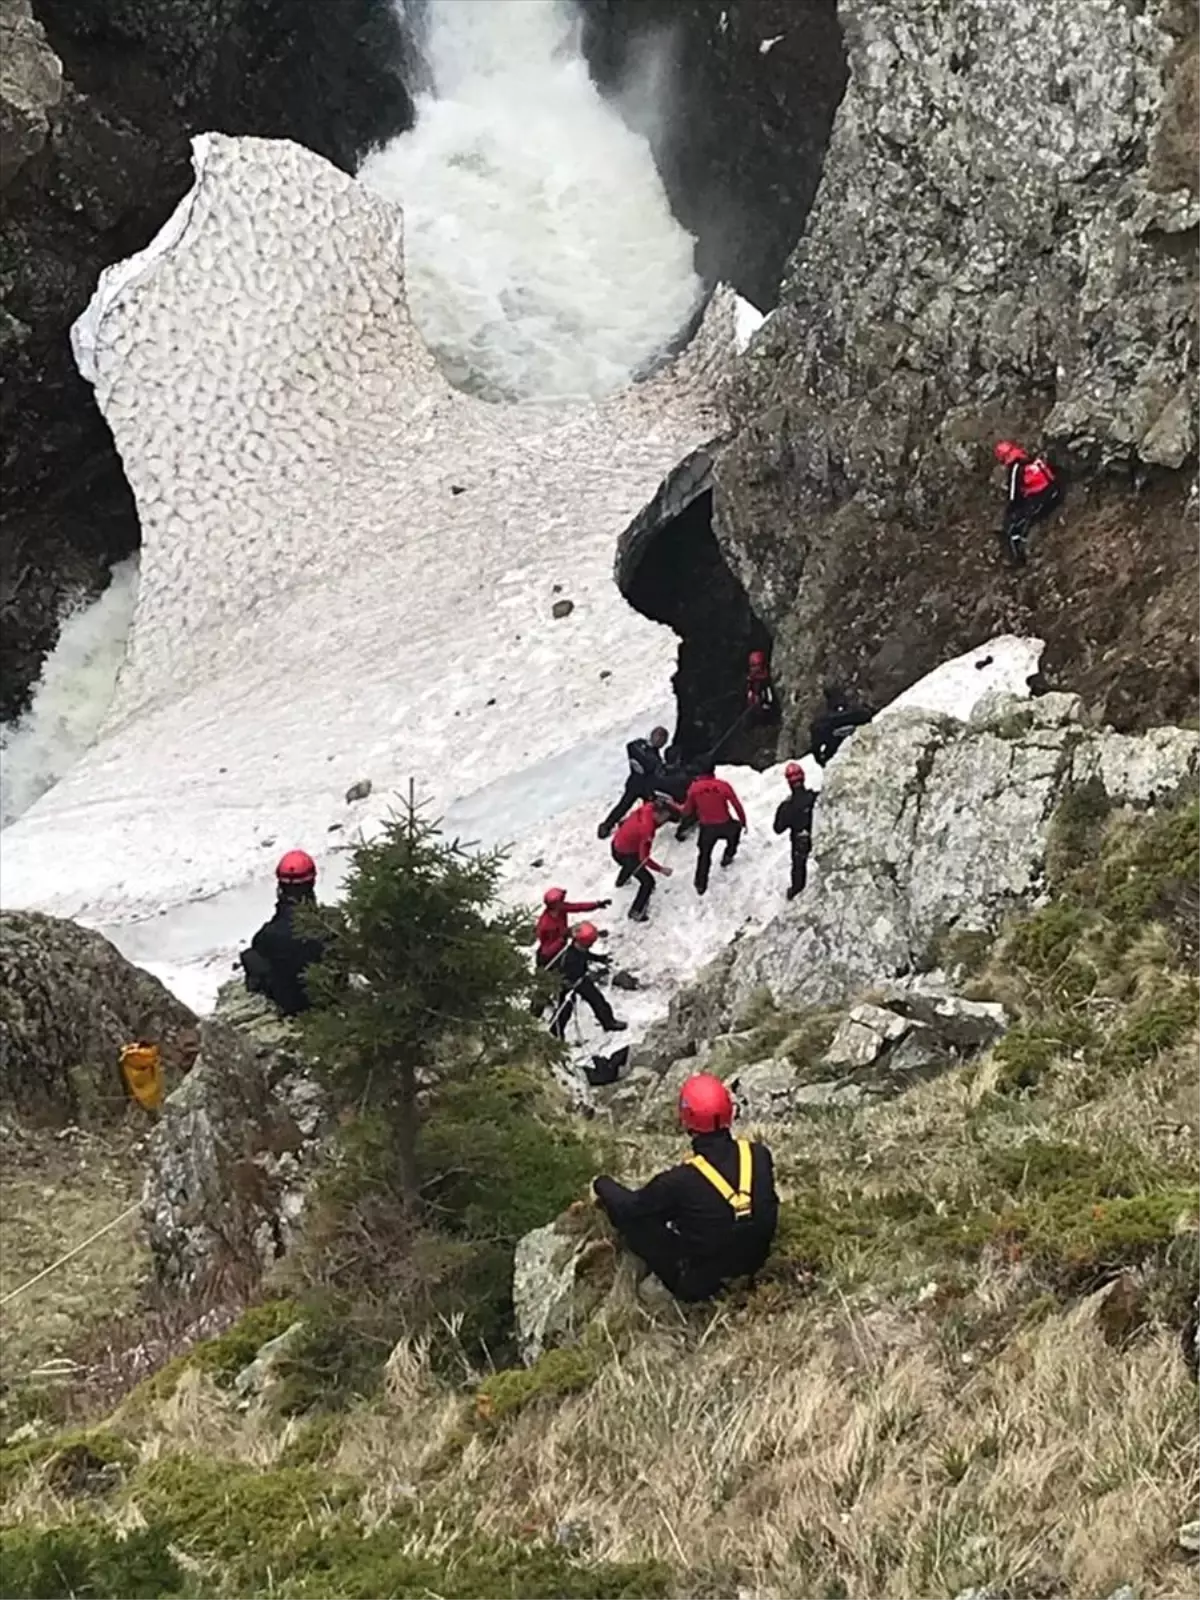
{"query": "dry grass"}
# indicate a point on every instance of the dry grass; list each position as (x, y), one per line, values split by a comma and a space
(54, 1192)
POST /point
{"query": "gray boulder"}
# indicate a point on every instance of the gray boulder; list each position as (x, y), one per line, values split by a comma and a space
(231, 1157)
(927, 825)
(68, 1001)
(562, 1274)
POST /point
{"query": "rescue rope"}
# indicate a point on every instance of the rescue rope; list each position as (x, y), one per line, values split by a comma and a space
(70, 1255)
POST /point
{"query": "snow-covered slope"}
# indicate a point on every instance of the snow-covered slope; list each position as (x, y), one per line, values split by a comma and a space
(348, 568)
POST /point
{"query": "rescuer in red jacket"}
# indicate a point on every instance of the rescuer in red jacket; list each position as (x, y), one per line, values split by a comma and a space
(761, 705)
(552, 935)
(631, 851)
(720, 816)
(1033, 493)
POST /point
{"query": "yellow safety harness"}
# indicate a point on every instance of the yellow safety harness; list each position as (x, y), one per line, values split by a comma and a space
(738, 1198)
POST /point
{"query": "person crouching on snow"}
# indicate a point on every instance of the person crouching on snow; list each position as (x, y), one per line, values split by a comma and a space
(631, 851)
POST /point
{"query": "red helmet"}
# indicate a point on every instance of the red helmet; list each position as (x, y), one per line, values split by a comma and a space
(554, 897)
(705, 1104)
(1007, 451)
(586, 934)
(758, 658)
(297, 866)
(794, 773)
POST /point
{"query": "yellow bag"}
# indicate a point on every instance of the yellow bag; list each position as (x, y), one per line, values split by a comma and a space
(143, 1073)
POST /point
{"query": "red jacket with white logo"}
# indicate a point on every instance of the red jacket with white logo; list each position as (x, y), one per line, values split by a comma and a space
(712, 801)
(636, 834)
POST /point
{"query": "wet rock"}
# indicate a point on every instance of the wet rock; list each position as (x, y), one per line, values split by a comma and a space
(231, 1156)
(561, 609)
(31, 86)
(68, 1001)
(625, 980)
(358, 791)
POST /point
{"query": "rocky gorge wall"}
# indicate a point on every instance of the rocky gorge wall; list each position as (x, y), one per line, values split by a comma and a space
(1003, 243)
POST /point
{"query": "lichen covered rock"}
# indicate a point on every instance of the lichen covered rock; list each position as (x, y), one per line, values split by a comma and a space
(68, 1001)
(231, 1156)
(926, 826)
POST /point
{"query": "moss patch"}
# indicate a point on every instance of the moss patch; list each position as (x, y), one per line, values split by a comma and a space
(569, 1370)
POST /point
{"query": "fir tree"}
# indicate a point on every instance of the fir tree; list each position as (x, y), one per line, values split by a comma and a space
(421, 972)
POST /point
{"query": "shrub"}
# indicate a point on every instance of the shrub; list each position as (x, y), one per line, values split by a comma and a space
(89, 1561)
(1027, 1052)
(569, 1370)
(419, 967)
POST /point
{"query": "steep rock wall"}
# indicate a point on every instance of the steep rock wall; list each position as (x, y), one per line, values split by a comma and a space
(97, 104)
(1004, 242)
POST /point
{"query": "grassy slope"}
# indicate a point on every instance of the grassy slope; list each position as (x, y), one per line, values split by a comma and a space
(930, 1388)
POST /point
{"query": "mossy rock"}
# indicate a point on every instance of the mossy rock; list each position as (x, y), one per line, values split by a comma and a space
(222, 1357)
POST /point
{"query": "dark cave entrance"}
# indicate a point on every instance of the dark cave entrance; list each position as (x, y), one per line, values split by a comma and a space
(671, 569)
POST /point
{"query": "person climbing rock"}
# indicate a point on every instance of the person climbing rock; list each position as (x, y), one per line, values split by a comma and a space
(631, 847)
(1033, 493)
(762, 706)
(794, 816)
(574, 968)
(552, 934)
(721, 817)
(710, 1219)
(646, 768)
(829, 731)
(278, 956)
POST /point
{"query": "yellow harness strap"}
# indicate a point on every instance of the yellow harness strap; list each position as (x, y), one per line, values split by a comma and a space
(738, 1198)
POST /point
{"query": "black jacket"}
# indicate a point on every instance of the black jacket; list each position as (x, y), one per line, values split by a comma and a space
(575, 962)
(277, 958)
(795, 814)
(829, 731)
(714, 1243)
(644, 760)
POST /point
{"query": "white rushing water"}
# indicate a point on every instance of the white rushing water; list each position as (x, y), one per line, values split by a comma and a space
(71, 697)
(541, 256)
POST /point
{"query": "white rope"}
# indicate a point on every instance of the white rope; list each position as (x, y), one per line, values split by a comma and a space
(62, 1260)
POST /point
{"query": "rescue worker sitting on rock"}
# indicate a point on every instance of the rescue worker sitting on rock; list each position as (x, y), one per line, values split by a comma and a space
(277, 958)
(1033, 492)
(712, 1218)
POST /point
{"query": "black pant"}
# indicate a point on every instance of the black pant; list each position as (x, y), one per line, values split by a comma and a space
(801, 845)
(1017, 519)
(637, 787)
(710, 834)
(631, 869)
(586, 991)
(659, 1247)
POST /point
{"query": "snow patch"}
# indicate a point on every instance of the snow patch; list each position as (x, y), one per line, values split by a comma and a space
(747, 320)
(123, 277)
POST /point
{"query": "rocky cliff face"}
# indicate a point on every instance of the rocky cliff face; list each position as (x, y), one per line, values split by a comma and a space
(230, 1157)
(925, 828)
(1004, 242)
(97, 103)
(68, 1001)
